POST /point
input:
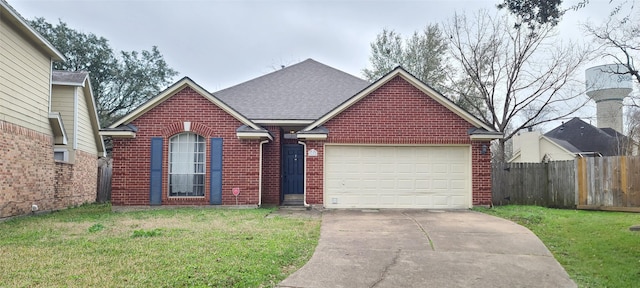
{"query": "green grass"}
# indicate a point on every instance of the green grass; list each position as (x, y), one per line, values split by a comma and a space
(596, 248)
(90, 246)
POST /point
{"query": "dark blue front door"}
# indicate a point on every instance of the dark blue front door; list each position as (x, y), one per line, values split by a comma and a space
(292, 169)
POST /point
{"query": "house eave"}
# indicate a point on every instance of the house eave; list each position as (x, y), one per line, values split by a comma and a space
(31, 33)
(282, 122)
(254, 135)
(118, 134)
(308, 136)
(486, 136)
(55, 120)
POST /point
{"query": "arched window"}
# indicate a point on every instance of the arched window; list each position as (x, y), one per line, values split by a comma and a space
(186, 165)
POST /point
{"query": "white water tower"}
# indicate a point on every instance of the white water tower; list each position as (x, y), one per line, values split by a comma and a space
(608, 85)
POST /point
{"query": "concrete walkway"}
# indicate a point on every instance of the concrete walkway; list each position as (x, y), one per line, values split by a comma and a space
(392, 248)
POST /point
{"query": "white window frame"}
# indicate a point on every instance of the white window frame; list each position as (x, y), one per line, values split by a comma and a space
(194, 163)
(65, 154)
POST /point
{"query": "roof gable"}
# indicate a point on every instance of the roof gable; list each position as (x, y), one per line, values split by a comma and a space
(172, 90)
(303, 91)
(400, 72)
(11, 15)
(81, 79)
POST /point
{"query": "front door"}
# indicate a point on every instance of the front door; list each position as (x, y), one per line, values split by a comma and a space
(293, 169)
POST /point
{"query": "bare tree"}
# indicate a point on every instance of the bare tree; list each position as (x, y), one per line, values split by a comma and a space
(524, 77)
(632, 141)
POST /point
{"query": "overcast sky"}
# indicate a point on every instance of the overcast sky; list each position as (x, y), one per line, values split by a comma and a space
(222, 43)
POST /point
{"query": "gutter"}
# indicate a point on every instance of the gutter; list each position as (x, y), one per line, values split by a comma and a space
(304, 192)
(260, 175)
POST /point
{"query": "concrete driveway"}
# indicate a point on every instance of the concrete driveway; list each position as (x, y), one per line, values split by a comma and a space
(393, 248)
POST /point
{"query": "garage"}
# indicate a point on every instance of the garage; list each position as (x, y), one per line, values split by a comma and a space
(428, 177)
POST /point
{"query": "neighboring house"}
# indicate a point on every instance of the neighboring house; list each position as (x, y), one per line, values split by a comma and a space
(72, 97)
(307, 133)
(572, 139)
(30, 126)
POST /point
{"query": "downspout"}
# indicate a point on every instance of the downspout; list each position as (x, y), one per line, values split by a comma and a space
(304, 191)
(260, 175)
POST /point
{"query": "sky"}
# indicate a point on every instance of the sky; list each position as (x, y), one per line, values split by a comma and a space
(221, 43)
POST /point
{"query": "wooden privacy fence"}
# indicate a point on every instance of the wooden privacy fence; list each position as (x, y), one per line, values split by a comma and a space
(604, 183)
(545, 184)
(104, 180)
(609, 183)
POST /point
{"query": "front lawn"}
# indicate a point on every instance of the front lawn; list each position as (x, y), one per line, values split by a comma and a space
(91, 246)
(596, 248)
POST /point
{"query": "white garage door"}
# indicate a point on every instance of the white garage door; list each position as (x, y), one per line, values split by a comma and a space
(397, 177)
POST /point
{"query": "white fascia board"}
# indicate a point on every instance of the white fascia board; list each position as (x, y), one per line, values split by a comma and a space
(93, 114)
(254, 135)
(515, 155)
(485, 137)
(60, 83)
(76, 120)
(55, 119)
(276, 122)
(305, 136)
(118, 134)
(172, 90)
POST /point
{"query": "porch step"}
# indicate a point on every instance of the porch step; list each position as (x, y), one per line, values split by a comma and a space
(293, 200)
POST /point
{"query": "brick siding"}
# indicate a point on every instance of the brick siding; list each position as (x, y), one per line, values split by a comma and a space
(29, 174)
(76, 183)
(271, 168)
(399, 113)
(131, 157)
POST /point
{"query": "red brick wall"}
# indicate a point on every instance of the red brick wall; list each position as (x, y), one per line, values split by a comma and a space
(399, 113)
(271, 168)
(481, 173)
(76, 183)
(29, 175)
(131, 157)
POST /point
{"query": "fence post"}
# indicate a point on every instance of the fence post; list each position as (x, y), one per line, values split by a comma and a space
(582, 181)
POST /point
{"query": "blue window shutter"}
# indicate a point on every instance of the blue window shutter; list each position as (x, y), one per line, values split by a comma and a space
(216, 171)
(156, 171)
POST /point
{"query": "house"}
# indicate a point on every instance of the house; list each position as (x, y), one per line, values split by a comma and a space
(38, 120)
(307, 133)
(72, 98)
(572, 139)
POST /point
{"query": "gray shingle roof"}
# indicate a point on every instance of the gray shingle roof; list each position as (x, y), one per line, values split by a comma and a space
(75, 78)
(565, 145)
(303, 91)
(585, 137)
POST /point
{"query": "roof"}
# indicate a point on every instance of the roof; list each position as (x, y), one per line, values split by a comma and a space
(484, 131)
(71, 78)
(9, 14)
(303, 91)
(564, 144)
(172, 90)
(587, 138)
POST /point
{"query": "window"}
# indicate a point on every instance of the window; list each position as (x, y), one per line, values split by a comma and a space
(61, 155)
(186, 165)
